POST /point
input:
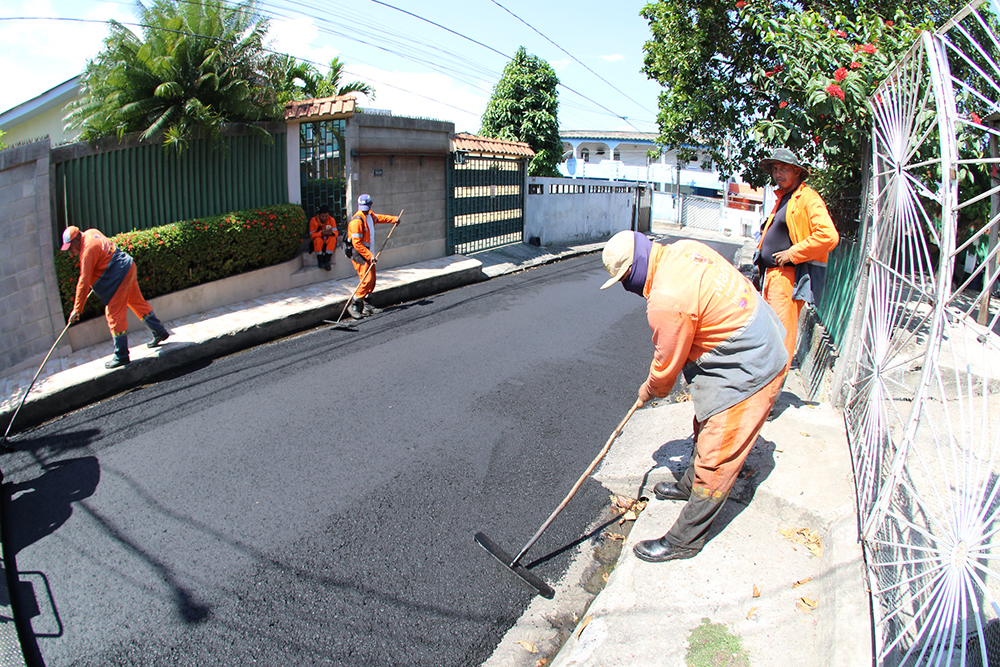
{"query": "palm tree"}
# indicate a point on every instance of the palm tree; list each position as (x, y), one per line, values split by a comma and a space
(330, 84)
(198, 66)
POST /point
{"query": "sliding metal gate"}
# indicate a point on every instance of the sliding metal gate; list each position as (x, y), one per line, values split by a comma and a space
(485, 206)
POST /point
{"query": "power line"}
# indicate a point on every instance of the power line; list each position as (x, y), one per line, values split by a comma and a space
(546, 37)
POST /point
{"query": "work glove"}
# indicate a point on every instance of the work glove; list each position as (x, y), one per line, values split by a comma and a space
(74, 317)
(372, 261)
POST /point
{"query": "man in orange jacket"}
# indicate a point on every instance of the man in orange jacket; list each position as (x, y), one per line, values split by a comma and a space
(794, 244)
(111, 273)
(709, 322)
(323, 232)
(360, 231)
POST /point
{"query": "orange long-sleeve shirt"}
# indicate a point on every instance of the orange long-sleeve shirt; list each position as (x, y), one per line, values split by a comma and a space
(810, 227)
(708, 321)
(360, 233)
(102, 267)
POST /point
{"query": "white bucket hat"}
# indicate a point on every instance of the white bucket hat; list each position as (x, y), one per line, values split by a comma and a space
(617, 256)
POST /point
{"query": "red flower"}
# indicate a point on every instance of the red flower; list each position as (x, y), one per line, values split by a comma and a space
(869, 48)
(779, 68)
(768, 74)
(816, 139)
(741, 4)
(976, 119)
(835, 90)
(840, 74)
(856, 65)
(840, 33)
(857, 47)
(783, 105)
(889, 24)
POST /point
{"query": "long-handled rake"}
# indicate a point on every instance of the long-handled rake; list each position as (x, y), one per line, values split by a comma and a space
(513, 564)
(346, 327)
(3, 443)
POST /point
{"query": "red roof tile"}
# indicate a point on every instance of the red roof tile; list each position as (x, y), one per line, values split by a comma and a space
(485, 146)
(320, 109)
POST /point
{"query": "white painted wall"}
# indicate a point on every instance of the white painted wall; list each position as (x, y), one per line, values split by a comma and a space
(563, 218)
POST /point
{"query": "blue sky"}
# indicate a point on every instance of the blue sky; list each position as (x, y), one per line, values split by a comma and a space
(417, 69)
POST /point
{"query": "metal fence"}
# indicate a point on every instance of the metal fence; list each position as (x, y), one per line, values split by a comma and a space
(701, 212)
(922, 412)
(485, 205)
(321, 169)
(143, 186)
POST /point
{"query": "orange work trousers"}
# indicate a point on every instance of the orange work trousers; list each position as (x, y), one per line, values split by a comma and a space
(128, 295)
(777, 291)
(367, 285)
(721, 445)
(330, 243)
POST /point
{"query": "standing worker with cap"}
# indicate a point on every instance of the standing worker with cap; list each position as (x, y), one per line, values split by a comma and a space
(708, 321)
(111, 273)
(794, 244)
(323, 232)
(360, 231)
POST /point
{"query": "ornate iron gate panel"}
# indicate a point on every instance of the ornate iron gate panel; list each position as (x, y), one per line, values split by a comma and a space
(485, 207)
(923, 417)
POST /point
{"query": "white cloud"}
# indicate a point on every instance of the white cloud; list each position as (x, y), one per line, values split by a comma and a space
(296, 37)
(560, 65)
(613, 58)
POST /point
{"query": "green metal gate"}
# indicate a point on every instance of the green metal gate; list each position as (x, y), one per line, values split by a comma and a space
(485, 206)
(321, 165)
(140, 187)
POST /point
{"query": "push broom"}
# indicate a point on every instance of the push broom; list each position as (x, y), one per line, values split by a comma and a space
(514, 564)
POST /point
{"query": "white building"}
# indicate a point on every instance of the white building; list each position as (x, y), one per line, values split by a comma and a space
(678, 185)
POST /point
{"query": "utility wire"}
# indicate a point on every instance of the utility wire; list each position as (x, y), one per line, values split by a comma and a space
(546, 37)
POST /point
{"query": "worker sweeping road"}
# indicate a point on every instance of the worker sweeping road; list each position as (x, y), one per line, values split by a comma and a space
(111, 273)
(360, 231)
(323, 235)
(709, 321)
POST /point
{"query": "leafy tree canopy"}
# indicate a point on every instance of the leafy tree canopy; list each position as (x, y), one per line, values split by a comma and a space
(298, 80)
(743, 77)
(196, 67)
(525, 107)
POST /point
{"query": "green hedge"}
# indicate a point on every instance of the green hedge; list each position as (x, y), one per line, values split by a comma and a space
(191, 252)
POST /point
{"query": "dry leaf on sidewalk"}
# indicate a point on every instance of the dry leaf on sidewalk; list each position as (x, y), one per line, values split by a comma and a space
(627, 507)
(805, 536)
(583, 624)
(806, 605)
(528, 646)
(756, 591)
(753, 610)
(542, 662)
(802, 581)
(684, 398)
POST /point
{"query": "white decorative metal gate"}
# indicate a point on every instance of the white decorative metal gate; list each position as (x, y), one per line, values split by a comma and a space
(923, 415)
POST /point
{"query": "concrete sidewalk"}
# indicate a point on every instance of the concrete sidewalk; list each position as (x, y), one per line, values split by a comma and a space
(798, 476)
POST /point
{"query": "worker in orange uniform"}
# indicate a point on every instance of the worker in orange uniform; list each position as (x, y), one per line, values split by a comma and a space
(323, 232)
(360, 231)
(795, 242)
(111, 273)
(709, 321)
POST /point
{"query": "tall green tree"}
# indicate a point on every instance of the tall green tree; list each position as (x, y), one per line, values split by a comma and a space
(197, 66)
(525, 107)
(746, 76)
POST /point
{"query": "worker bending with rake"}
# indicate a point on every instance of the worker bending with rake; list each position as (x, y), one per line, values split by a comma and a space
(709, 322)
(111, 273)
(360, 232)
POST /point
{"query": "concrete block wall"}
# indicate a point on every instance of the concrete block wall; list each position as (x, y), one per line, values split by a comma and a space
(30, 312)
(401, 163)
(565, 217)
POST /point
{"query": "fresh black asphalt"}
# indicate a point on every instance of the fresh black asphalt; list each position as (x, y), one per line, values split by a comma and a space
(313, 501)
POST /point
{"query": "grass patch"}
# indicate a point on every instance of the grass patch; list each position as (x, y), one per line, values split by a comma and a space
(712, 645)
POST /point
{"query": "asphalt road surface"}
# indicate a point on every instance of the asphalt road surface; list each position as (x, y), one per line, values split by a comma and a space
(313, 501)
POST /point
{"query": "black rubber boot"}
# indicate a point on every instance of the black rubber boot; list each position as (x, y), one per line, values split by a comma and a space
(660, 551)
(324, 261)
(354, 310)
(121, 352)
(160, 332)
(669, 491)
(368, 309)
